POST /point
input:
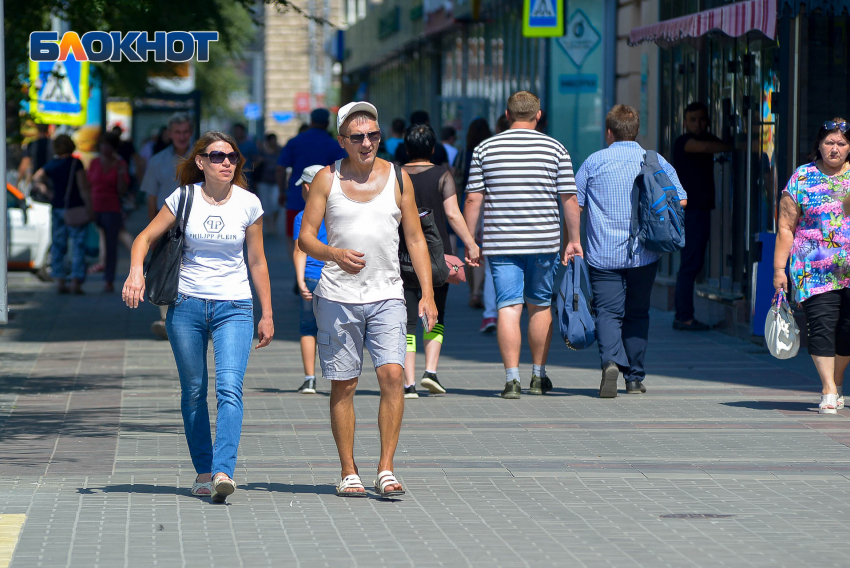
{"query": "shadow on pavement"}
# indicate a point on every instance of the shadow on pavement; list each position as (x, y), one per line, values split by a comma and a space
(785, 405)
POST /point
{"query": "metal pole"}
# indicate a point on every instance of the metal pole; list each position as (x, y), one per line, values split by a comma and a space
(4, 235)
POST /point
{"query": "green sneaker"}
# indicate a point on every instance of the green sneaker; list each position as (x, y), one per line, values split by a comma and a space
(512, 390)
(536, 385)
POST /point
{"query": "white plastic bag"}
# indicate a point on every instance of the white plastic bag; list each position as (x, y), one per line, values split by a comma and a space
(780, 330)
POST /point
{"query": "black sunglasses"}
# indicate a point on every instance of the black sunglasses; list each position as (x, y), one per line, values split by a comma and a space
(374, 137)
(218, 157)
(831, 124)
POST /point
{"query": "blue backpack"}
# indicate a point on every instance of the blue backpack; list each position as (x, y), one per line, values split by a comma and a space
(658, 220)
(575, 312)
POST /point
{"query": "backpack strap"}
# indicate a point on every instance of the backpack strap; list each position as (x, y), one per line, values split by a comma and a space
(634, 228)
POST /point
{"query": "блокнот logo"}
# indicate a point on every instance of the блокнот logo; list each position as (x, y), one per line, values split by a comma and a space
(115, 46)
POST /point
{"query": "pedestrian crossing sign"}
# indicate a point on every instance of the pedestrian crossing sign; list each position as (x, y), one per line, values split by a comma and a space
(543, 18)
(59, 91)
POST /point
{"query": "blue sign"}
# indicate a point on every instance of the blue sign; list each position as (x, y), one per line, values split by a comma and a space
(578, 83)
(59, 91)
(253, 111)
(283, 117)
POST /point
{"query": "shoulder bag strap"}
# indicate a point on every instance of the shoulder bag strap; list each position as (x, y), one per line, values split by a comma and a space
(190, 194)
(180, 203)
(70, 181)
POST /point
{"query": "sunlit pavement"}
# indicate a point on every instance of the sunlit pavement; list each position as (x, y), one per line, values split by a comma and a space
(724, 461)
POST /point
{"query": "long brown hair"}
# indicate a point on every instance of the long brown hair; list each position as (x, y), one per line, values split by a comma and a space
(814, 155)
(188, 172)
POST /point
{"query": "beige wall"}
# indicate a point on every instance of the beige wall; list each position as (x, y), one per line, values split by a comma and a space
(287, 62)
(632, 14)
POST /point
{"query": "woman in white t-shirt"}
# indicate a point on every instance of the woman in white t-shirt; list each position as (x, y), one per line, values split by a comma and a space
(214, 300)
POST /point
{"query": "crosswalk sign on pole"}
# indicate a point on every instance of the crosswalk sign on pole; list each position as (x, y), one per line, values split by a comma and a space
(543, 18)
(59, 91)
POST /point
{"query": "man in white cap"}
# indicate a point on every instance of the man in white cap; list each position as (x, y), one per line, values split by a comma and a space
(359, 299)
(308, 270)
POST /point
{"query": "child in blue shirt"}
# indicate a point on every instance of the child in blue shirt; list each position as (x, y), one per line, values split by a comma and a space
(308, 270)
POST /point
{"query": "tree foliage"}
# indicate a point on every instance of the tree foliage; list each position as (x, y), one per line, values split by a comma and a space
(231, 18)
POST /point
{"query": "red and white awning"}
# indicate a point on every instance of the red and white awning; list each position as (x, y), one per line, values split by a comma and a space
(733, 20)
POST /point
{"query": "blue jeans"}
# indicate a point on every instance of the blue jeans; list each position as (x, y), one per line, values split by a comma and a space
(520, 278)
(621, 299)
(111, 223)
(59, 247)
(190, 322)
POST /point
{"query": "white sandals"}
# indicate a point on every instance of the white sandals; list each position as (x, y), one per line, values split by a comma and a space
(201, 489)
(352, 481)
(385, 479)
(828, 404)
(222, 487)
(840, 401)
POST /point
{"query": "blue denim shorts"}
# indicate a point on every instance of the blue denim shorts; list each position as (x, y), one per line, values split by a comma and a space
(520, 278)
(307, 323)
(345, 328)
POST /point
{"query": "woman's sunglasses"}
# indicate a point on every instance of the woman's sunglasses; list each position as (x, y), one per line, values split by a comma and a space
(374, 137)
(831, 124)
(218, 157)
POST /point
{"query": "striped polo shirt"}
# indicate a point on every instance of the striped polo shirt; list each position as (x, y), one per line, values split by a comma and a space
(521, 172)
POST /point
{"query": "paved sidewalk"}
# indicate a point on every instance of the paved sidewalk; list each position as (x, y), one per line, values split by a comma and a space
(95, 466)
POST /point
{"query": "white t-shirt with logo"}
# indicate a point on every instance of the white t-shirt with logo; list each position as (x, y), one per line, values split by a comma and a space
(213, 262)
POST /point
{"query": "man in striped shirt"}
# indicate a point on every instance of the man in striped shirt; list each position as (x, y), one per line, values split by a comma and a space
(621, 283)
(524, 174)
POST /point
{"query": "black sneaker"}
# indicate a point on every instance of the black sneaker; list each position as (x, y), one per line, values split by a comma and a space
(309, 387)
(546, 385)
(635, 387)
(512, 390)
(410, 392)
(536, 386)
(608, 386)
(432, 383)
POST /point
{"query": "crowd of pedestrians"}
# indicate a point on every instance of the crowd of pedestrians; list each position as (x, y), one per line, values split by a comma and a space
(509, 197)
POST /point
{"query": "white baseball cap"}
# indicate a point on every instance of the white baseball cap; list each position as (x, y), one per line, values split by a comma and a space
(351, 108)
(308, 174)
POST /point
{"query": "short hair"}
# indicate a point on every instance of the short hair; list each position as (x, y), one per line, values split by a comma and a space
(420, 141)
(523, 106)
(239, 125)
(695, 107)
(815, 154)
(356, 117)
(178, 118)
(623, 121)
(271, 137)
(398, 126)
(420, 117)
(447, 132)
(63, 144)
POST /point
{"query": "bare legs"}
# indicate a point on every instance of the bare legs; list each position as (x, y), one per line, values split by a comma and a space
(831, 371)
(510, 336)
(390, 413)
(432, 359)
(308, 354)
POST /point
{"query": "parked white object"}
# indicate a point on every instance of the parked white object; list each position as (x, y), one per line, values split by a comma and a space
(30, 234)
(780, 330)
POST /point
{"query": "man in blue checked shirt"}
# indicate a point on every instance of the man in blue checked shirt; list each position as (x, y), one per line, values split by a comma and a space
(621, 285)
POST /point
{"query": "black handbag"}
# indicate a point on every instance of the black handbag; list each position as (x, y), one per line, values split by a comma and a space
(162, 274)
(439, 268)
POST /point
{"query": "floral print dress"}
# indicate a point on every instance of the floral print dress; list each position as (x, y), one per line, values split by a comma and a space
(819, 256)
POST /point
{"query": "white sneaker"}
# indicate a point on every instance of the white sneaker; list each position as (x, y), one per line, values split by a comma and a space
(828, 404)
(840, 402)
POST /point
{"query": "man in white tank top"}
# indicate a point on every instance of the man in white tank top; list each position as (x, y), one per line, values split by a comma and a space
(359, 299)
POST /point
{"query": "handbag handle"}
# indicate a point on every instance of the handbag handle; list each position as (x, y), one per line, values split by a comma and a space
(70, 182)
